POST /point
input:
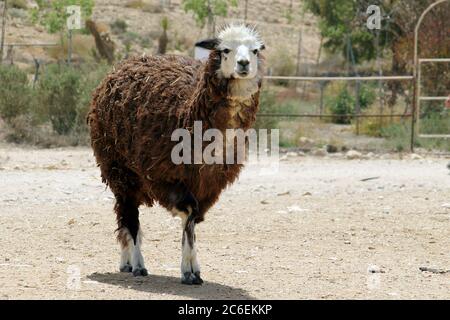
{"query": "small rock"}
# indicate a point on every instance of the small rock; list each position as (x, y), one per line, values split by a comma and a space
(446, 206)
(415, 156)
(292, 154)
(264, 202)
(353, 155)
(331, 149)
(347, 242)
(306, 143)
(319, 153)
(71, 222)
(295, 209)
(374, 269)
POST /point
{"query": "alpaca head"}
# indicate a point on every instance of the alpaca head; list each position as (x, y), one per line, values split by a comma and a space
(239, 47)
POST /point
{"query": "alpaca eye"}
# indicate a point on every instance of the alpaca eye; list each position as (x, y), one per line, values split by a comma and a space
(255, 51)
(226, 51)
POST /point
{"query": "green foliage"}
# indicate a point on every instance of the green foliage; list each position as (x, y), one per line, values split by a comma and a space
(267, 104)
(398, 134)
(165, 23)
(341, 101)
(18, 4)
(436, 123)
(341, 105)
(341, 25)
(119, 26)
(135, 4)
(367, 96)
(15, 93)
(52, 14)
(59, 89)
(201, 11)
(64, 94)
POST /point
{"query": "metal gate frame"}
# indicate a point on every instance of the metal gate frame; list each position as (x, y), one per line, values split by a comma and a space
(418, 98)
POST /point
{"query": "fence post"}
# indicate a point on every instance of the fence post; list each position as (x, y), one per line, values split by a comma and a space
(69, 48)
(413, 114)
(2, 44)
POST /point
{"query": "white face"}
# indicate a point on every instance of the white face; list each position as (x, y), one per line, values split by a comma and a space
(239, 47)
(239, 59)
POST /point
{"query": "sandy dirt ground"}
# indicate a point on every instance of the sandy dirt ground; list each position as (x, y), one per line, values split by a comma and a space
(315, 230)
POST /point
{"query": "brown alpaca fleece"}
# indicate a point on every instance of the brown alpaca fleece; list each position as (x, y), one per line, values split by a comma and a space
(133, 114)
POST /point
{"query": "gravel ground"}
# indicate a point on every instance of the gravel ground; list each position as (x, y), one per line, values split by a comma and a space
(315, 230)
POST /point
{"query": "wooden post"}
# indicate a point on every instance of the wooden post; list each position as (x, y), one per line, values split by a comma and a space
(299, 56)
(2, 43)
(69, 48)
(299, 52)
(380, 82)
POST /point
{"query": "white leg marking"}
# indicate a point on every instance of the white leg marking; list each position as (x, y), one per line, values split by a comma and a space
(189, 262)
(131, 256)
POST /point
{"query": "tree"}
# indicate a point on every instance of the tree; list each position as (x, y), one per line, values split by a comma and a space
(342, 25)
(206, 11)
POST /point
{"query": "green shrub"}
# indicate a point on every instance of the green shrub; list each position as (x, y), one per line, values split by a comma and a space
(436, 123)
(18, 4)
(135, 4)
(16, 95)
(64, 95)
(367, 96)
(398, 135)
(267, 104)
(58, 91)
(91, 79)
(119, 26)
(341, 105)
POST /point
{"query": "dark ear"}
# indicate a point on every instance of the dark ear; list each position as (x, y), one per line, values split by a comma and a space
(209, 44)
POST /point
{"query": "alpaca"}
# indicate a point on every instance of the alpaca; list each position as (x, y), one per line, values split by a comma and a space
(133, 114)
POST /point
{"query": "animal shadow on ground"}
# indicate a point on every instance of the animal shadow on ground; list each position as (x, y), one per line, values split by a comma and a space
(159, 284)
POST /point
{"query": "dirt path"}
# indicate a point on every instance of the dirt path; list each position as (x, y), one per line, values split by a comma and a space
(311, 231)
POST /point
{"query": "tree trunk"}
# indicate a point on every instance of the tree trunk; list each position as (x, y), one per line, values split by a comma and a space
(162, 43)
(104, 44)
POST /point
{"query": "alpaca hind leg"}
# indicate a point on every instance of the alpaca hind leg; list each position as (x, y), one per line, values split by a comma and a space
(130, 237)
(190, 268)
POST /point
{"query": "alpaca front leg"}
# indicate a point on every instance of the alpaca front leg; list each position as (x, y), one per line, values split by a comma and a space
(190, 268)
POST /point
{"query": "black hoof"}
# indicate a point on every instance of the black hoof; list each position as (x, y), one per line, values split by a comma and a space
(140, 272)
(198, 280)
(190, 278)
(126, 268)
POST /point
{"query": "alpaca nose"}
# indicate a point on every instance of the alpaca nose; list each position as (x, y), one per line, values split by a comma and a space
(244, 63)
